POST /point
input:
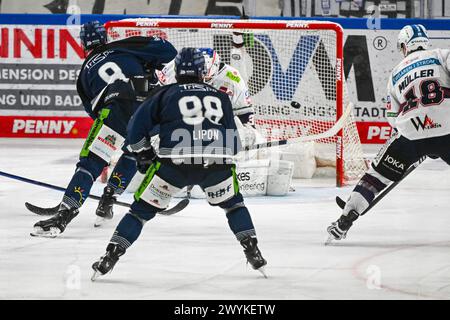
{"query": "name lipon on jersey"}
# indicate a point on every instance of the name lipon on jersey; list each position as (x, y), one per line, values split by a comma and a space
(413, 76)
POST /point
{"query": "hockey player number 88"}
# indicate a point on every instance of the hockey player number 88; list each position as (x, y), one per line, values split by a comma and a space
(191, 108)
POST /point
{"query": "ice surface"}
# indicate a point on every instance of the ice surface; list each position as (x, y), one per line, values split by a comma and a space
(400, 250)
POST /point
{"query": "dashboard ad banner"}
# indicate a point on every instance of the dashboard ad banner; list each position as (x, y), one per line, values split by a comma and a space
(40, 61)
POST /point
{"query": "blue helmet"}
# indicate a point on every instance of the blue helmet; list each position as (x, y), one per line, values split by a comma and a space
(92, 34)
(190, 63)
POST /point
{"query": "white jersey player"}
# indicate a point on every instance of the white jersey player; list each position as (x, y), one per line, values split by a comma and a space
(418, 105)
(223, 77)
(418, 89)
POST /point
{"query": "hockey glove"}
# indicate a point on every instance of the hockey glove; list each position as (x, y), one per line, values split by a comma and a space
(144, 160)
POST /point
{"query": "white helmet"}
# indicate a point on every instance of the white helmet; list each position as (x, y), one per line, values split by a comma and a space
(412, 37)
(212, 63)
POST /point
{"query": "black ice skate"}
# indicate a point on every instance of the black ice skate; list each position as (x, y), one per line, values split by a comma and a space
(107, 261)
(253, 254)
(338, 230)
(105, 207)
(56, 225)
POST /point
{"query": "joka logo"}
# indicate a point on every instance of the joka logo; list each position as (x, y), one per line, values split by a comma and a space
(426, 124)
(394, 162)
(111, 139)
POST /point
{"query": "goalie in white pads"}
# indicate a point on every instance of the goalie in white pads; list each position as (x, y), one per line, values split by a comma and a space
(418, 108)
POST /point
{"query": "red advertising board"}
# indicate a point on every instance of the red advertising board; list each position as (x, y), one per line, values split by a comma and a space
(44, 127)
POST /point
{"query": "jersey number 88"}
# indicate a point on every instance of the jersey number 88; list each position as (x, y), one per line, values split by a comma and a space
(192, 109)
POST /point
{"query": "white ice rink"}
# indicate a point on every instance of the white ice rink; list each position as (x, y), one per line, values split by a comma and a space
(400, 250)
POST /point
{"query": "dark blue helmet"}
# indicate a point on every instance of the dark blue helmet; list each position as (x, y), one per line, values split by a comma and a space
(92, 34)
(190, 63)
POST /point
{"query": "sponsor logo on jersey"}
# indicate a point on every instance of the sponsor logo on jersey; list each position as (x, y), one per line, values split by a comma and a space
(409, 68)
(112, 95)
(219, 193)
(109, 140)
(233, 76)
(425, 124)
(97, 58)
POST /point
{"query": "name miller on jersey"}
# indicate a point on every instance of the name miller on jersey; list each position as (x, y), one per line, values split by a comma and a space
(416, 75)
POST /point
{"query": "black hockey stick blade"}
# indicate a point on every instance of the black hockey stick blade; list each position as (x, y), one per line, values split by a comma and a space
(341, 203)
(177, 208)
(52, 211)
(42, 211)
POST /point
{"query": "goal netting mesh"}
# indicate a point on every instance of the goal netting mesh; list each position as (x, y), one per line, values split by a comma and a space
(294, 73)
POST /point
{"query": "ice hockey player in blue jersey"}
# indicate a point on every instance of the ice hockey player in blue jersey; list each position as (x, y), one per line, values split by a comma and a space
(198, 138)
(113, 81)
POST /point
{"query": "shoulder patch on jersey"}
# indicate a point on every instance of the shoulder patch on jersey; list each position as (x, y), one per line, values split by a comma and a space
(233, 76)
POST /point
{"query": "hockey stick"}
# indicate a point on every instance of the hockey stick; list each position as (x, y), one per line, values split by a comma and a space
(178, 207)
(331, 132)
(341, 203)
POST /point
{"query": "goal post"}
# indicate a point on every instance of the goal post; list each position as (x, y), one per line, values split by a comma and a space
(295, 77)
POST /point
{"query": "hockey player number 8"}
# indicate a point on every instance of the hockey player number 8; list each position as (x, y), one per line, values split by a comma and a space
(191, 108)
(110, 72)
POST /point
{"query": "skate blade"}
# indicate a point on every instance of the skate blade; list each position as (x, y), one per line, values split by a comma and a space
(100, 221)
(329, 240)
(263, 271)
(95, 276)
(39, 232)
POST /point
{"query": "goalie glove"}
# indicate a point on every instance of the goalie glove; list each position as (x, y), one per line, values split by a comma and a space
(145, 159)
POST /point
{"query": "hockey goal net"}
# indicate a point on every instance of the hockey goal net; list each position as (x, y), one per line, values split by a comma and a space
(294, 74)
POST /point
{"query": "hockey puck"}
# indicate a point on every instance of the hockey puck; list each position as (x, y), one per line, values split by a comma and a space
(295, 104)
